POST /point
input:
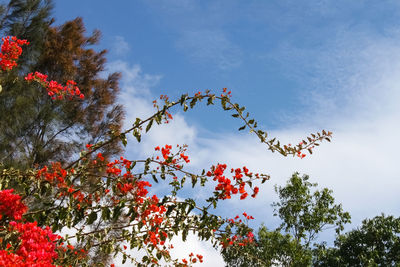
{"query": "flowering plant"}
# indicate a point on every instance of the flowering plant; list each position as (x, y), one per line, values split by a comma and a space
(117, 211)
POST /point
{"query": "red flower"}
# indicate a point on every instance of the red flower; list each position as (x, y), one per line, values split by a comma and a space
(11, 205)
(10, 51)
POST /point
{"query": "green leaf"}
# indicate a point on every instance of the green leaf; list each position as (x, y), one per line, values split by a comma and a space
(190, 208)
(211, 100)
(149, 125)
(138, 120)
(136, 133)
(183, 99)
(185, 234)
(92, 218)
(158, 118)
(105, 214)
(154, 178)
(194, 180)
(123, 138)
(242, 128)
(132, 165)
(223, 103)
(117, 212)
(170, 209)
(193, 102)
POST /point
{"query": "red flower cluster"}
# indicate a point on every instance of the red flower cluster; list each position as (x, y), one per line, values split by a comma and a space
(10, 52)
(238, 239)
(166, 151)
(141, 191)
(173, 159)
(37, 246)
(237, 220)
(152, 215)
(11, 205)
(192, 259)
(148, 211)
(225, 186)
(248, 217)
(300, 155)
(115, 167)
(225, 93)
(56, 176)
(54, 89)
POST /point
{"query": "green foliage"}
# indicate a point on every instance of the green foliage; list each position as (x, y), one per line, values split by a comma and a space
(282, 249)
(375, 243)
(272, 248)
(27, 19)
(36, 129)
(305, 214)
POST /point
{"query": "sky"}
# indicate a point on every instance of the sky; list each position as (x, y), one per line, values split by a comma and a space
(298, 67)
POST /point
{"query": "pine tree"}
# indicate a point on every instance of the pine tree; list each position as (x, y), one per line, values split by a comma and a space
(35, 128)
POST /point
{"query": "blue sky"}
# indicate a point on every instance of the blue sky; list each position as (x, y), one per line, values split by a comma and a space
(268, 52)
(298, 67)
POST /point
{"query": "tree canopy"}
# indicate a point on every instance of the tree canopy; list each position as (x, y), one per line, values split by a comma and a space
(304, 215)
(37, 130)
(375, 243)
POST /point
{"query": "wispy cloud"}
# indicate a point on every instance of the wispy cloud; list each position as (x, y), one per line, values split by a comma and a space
(137, 99)
(355, 93)
(360, 165)
(120, 46)
(135, 96)
(200, 31)
(210, 47)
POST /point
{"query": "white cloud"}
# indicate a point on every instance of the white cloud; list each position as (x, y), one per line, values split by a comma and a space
(137, 101)
(211, 47)
(211, 256)
(120, 46)
(358, 100)
(201, 33)
(181, 250)
(358, 96)
(135, 95)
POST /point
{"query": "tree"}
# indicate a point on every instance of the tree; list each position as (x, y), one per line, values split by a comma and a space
(270, 248)
(37, 130)
(27, 19)
(304, 215)
(375, 243)
(35, 202)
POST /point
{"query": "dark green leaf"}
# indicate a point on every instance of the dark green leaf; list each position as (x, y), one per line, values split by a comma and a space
(149, 125)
